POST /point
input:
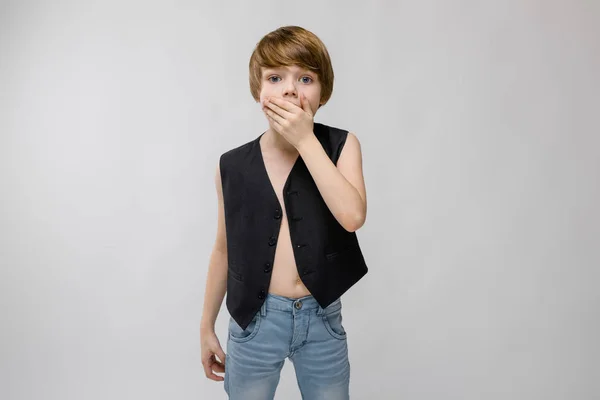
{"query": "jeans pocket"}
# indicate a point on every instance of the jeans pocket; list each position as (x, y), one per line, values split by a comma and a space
(332, 319)
(237, 334)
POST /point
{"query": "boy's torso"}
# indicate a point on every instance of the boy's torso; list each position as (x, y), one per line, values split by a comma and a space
(294, 252)
(285, 280)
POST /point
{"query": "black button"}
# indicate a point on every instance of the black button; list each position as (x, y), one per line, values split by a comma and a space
(261, 294)
(272, 241)
(277, 214)
(267, 267)
(304, 272)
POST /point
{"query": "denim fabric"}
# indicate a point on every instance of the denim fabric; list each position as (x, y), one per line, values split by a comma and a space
(313, 338)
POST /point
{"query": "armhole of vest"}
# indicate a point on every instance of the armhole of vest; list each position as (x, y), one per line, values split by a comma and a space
(340, 146)
(221, 167)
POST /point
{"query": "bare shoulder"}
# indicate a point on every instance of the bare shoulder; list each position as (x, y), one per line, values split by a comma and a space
(351, 155)
(352, 142)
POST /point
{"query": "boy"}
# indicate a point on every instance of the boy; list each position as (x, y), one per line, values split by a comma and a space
(289, 204)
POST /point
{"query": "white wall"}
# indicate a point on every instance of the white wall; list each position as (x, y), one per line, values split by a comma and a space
(480, 135)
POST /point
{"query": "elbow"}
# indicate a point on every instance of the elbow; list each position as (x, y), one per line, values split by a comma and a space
(355, 222)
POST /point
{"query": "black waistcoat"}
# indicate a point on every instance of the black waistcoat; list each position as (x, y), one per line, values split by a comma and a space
(328, 258)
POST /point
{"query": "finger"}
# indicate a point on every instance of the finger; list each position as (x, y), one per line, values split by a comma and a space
(215, 377)
(222, 356)
(217, 366)
(276, 125)
(209, 373)
(274, 117)
(305, 104)
(277, 109)
(282, 104)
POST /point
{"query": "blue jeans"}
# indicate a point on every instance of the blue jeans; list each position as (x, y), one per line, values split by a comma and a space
(312, 337)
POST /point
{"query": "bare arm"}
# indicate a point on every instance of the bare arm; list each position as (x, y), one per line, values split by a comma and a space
(216, 280)
(342, 188)
(216, 287)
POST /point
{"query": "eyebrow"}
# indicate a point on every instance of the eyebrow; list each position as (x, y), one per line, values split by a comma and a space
(268, 70)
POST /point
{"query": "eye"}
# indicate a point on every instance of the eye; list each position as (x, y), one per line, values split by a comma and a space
(273, 76)
(307, 77)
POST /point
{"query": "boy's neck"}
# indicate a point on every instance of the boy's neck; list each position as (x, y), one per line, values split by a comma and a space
(274, 141)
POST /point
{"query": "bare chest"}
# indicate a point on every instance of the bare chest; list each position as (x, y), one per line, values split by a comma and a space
(278, 170)
(284, 279)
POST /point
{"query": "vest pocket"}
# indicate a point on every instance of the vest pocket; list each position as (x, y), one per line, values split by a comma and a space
(239, 335)
(340, 252)
(235, 275)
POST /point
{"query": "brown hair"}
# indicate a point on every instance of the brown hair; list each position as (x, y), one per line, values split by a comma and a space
(291, 45)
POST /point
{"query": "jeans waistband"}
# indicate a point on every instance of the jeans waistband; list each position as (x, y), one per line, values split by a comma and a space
(288, 304)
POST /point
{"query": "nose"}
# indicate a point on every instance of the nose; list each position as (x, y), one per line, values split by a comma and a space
(290, 89)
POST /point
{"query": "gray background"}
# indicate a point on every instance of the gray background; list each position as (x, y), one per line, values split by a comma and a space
(479, 128)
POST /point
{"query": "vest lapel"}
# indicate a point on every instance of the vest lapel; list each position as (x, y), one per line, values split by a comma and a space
(264, 175)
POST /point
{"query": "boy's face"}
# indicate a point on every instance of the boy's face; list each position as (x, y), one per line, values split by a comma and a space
(288, 82)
